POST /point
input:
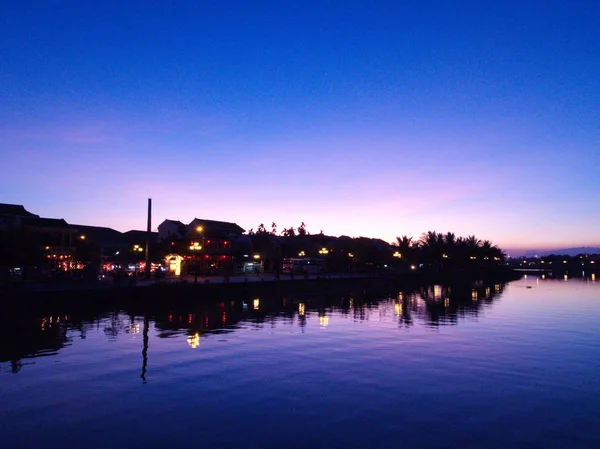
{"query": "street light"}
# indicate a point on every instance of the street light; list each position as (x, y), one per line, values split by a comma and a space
(397, 254)
(323, 251)
(301, 254)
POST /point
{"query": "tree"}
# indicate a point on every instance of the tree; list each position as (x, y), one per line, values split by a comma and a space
(302, 229)
(261, 229)
(273, 228)
(289, 232)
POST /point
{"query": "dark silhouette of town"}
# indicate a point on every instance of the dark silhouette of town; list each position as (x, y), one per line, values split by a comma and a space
(39, 249)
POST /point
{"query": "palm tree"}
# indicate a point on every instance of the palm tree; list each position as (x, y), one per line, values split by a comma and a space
(406, 247)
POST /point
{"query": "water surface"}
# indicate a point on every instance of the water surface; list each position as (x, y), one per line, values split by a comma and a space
(483, 365)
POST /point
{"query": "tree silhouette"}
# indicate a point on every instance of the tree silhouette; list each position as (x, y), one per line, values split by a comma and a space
(302, 229)
(289, 232)
(261, 229)
(273, 228)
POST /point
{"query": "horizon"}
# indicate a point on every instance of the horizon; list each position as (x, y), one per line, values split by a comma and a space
(361, 120)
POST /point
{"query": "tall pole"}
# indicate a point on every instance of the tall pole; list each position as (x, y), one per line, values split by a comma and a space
(148, 238)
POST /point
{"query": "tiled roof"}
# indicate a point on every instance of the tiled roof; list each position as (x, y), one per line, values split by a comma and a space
(15, 209)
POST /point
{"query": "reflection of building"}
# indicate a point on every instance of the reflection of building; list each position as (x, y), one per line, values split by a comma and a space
(200, 246)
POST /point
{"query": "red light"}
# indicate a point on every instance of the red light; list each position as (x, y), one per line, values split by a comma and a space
(172, 243)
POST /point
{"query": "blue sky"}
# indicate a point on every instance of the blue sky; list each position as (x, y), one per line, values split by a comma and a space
(359, 118)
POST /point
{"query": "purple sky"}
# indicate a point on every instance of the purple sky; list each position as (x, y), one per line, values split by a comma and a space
(376, 119)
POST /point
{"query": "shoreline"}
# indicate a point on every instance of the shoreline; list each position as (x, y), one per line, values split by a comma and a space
(100, 293)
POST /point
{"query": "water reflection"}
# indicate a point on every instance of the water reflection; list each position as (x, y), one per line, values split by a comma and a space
(30, 336)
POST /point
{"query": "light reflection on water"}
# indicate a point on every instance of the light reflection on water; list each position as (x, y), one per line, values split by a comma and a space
(482, 365)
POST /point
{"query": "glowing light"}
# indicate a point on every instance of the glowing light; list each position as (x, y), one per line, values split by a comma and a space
(398, 309)
(413, 267)
(195, 246)
(447, 302)
(301, 309)
(82, 237)
(566, 277)
(474, 295)
(593, 277)
(256, 256)
(543, 276)
(199, 229)
(301, 254)
(397, 254)
(323, 251)
(472, 257)
(324, 321)
(564, 261)
(194, 340)
(256, 304)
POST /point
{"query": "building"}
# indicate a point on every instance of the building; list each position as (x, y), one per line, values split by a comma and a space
(30, 243)
(200, 247)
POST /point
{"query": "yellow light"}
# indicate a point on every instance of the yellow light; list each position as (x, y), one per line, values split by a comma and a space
(350, 255)
(140, 249)
(82, 237)
(199, 229)
(194, 340)
(397, 254)
(301, 309)
(543, 276)
(256, 256)
(324, 321)
(323, 251)
(256, 303)
(445, 256)
(593, 277)
(47, 247)
(474, 295)
(472, 257)
(447, 302)
(398, 309)
(591, 261)
(301, 254)
(566, 277)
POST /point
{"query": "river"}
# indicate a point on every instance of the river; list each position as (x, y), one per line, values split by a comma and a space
(460, 366)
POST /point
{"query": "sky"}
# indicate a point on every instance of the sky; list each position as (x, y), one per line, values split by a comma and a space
(373, 118)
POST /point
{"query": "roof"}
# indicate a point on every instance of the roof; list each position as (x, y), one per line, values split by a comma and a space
(175, 222)
(38, 222)
(214, 225)
(15, 210)
(101, 236)
(135, 236)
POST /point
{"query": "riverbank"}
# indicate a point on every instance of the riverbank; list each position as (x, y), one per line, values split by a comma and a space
(107, 293)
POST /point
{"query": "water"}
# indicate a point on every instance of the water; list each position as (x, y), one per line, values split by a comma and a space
(492, 366)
